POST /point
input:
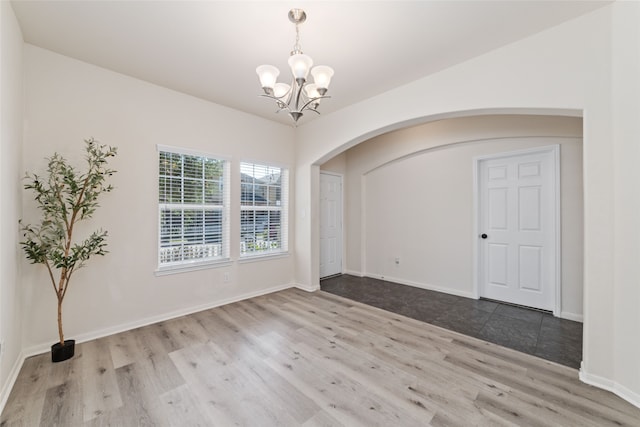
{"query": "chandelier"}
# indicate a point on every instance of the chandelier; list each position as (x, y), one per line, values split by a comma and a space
(300, 95)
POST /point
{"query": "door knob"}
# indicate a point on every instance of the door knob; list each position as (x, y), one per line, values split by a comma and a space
(484, 236)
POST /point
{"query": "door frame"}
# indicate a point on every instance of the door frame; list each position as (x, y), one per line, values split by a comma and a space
(341, 215)
(554, 149)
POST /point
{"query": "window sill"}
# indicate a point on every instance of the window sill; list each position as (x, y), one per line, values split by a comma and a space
(185, 268)
(262, 257)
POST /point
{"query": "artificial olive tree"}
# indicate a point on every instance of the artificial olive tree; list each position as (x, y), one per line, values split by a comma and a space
(65, 196)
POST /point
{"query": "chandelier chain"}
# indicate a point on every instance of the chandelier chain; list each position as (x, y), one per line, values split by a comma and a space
(296, 47)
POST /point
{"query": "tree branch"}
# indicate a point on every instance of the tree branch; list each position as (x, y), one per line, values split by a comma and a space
(68, 278)
(53, 280)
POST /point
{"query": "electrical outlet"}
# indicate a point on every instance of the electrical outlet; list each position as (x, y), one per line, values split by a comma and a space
(225, 277)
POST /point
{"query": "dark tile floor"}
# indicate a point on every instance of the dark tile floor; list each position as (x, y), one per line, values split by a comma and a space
(526, 330)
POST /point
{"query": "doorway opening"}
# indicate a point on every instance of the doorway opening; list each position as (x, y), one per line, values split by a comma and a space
(330, 224)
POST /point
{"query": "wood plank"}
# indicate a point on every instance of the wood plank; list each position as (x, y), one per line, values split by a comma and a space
(435, 395)
(153, 362)
(63, 405)
(342, 396)
(99, 385)
(141, 406)
(183, 408)
(26, 400)
(123, 348)
(233, 397)
(281, 393)
(322, 419)
(603, 415)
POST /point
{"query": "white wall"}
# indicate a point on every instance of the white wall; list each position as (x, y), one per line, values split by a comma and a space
(626, 142)
(416, 186)
(338, 166)
(10, 195)
(568, 69)
(67, 101)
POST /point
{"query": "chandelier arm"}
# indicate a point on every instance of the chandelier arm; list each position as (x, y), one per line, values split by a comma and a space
(281, 104)
(312, 100)
(282, 98)
(299, 87)
(264, 95)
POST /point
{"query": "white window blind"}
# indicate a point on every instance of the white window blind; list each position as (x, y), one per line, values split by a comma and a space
(193, 208)
(263, 209)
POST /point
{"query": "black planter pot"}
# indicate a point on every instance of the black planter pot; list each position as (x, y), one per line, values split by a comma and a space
(60, 353)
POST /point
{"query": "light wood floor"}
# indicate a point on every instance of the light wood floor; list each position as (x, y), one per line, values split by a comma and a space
(294, 358)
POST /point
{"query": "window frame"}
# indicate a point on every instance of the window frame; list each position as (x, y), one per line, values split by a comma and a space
(283, 209)
(195, 263)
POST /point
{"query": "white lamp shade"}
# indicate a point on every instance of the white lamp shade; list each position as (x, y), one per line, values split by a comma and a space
(300, 65)
(280, 90)
(312, 91)
(322, 76)
(268, 75)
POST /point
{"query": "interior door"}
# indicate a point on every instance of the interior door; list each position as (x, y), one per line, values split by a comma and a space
(518, 211)
(330, 224)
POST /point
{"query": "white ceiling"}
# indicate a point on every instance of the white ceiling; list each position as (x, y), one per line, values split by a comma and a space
(210, 49)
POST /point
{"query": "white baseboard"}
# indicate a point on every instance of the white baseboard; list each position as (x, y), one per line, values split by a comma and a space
(612, 386)
(307, 288)
(423, 286)
(11, 380)
(354, 273)
(42, 348)
(572, 316)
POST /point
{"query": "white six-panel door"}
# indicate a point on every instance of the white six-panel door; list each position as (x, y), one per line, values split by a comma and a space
(517, 224)
(330, 224)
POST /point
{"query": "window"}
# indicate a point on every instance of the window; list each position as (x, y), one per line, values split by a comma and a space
(193, 208)
(263, 209)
